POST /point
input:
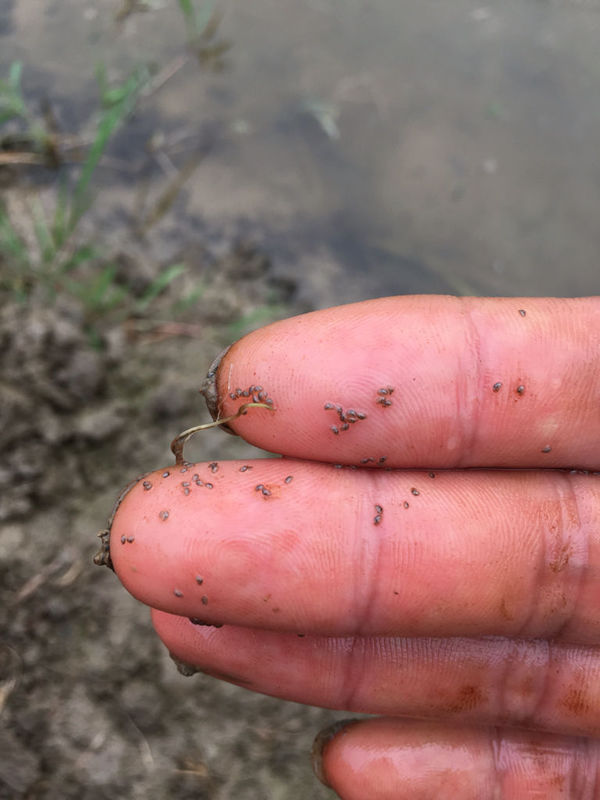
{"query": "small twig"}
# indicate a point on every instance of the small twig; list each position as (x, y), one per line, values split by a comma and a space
(36, 581)
(179, 441)
(21, 158)
(165, 74)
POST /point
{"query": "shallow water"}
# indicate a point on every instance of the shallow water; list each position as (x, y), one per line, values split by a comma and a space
(373, 147)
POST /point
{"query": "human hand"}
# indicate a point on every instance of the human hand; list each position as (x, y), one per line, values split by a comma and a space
(402, 583)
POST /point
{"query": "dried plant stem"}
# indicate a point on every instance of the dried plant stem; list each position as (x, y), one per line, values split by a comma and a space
(179, 441)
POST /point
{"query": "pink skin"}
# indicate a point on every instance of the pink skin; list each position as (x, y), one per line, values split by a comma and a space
(385, 759)
(511, 556)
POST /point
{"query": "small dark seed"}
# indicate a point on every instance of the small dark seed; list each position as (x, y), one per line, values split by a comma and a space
(377, 519)
(245, 393)
(405, 504)
(208, 485)
(338, 466)
(213, 466)
(183, 469)
(497, 386)
(546, 449)
(147, 485)
(268, 401)
(204, 599)
(238, 392)
(266, 492)
(379, 509)
(177, 592)
(259, 487)
(232, 395)
(301, 635)
(383, 459)
(261, 397)
(199, 580)
(520, 389)
(245, 468)
(522, 312)
(258, 388)
(166, 474)
(345, 426)
(361, 415)
(431, 474)
(198, 482)
(131, 539)
(289, 479)
(164, 515)
(185, 483)
(334, 429)
(382, 391)
(328, 406)
(186, 491)
(123, 539)
(415, 491)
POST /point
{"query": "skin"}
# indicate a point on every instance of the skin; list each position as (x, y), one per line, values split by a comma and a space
(461, 603)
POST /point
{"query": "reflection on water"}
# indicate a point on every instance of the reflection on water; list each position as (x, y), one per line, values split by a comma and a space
(375, 147)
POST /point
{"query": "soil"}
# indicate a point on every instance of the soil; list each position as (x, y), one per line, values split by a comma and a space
(91, 705)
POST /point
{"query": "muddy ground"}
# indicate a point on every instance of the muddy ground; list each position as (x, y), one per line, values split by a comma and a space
(91, 705)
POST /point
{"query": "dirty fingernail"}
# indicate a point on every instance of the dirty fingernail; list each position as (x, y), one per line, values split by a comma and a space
(208, 389)
(183, 667)
(102, 557)
(322, 740)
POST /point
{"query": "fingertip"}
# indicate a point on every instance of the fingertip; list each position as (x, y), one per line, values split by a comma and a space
(321, 742)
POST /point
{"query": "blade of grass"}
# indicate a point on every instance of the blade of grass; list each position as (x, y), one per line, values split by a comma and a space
(159, 285)
(197, 20)
(60, 221)
(80, 256)
(11, 243)
(101, 294)
(107, 125)
(14, 76)
(43, 235)
(186, 302)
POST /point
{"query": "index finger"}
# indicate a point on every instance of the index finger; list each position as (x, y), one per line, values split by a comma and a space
(422, 381)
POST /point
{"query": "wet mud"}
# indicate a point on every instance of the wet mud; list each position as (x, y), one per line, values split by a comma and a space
(92, 707)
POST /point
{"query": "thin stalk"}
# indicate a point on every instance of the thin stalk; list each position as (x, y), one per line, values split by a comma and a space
(179, 441)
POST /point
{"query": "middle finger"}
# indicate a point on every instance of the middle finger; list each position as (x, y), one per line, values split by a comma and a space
(305, 547)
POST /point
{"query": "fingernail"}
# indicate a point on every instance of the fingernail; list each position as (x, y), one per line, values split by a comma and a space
(320, 743)
(183, 667)
(102, 557)
(208, 389)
